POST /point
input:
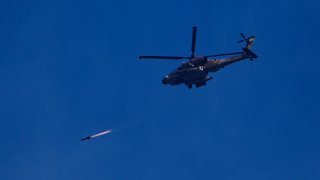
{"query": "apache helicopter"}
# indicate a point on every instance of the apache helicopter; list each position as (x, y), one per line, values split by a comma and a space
(195, 71)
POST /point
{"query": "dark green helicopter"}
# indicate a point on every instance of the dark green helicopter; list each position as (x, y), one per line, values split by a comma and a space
(195, 70)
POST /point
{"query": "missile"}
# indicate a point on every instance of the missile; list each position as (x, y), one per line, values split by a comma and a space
(97, 135)
(86, 138)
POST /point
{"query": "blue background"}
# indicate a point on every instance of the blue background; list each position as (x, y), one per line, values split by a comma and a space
(69, 69)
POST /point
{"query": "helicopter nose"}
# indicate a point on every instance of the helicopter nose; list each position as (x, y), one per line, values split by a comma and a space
(165, 80)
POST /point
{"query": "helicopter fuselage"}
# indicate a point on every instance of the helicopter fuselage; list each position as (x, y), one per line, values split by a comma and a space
(196, 71)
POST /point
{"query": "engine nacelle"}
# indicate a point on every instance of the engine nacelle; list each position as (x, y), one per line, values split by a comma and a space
(199, 61)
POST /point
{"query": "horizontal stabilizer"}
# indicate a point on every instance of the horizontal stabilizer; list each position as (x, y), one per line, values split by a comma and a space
(249, 52)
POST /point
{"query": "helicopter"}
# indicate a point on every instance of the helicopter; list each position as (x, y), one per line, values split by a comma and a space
(195, 70)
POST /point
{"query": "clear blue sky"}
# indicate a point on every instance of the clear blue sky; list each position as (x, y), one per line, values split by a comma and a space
(69, 69)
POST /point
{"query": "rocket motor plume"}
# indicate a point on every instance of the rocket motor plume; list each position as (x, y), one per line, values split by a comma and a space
(100, 134)
(96, 135)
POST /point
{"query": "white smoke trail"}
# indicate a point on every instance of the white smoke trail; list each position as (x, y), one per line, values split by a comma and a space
(102, 133)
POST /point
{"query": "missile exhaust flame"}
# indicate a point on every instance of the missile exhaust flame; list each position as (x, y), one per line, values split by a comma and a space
(97, 135)
(102, 133)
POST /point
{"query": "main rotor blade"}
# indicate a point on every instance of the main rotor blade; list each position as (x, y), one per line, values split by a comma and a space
(163, 57)
(194, 37)
(215, 55)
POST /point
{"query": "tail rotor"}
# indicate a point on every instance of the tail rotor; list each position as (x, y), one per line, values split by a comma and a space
(249, 43)
(244, 38)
